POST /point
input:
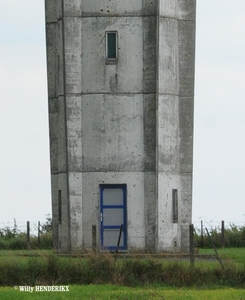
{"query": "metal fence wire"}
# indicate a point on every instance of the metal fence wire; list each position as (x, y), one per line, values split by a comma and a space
(135, 236)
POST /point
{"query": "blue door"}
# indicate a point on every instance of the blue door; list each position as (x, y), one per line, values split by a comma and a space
(113, 216)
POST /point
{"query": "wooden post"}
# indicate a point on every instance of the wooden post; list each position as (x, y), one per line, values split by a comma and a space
(223, 234)
(202, 243)
(28, 234)
(38, 233)
(94, 247)
(191, 233)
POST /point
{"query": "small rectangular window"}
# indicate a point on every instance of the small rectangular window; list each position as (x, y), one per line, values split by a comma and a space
(59, 207)
(175, 205)
(111, 46)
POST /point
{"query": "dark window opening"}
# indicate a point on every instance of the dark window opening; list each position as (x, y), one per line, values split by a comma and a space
(111, 45)
(59, 207)
(175, 205)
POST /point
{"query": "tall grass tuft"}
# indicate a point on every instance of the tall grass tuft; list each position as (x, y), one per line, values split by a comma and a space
(103, 269)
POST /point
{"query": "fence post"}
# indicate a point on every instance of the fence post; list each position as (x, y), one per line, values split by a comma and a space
(202, 243)
(223, 234)
(28, 234)
(38, 233)
(94, 247)
(191, 234)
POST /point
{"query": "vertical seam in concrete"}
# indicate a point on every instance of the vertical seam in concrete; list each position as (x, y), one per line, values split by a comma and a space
(66, 136)
(178, 90)
(143, 95)
(157, 118)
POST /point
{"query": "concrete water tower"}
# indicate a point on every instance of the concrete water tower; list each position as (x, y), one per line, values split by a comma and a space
(121, 91)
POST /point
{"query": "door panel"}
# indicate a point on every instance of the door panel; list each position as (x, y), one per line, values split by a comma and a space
(113, 215)
(113, 196)
(111, 238)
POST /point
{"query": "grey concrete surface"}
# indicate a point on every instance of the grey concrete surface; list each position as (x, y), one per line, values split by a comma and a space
(124, 122)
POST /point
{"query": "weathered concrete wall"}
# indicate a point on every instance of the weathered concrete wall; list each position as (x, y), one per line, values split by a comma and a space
(135, 204)
(115, 125)
(176, 37)
(130, 122)
(120, 78)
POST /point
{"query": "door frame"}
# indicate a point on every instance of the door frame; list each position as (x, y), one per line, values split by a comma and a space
(123, 206)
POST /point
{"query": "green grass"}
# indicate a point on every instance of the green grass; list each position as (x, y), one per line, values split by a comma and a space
(19, 242)
(4, 253)
(45, 268)
(109, 292)
(236, 255)
(21, 257)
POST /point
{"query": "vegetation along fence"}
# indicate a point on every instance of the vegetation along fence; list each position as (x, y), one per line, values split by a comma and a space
(223, 234)
(31, 235)
(26, 235)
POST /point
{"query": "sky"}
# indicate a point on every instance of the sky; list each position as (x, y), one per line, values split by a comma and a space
(219, 127)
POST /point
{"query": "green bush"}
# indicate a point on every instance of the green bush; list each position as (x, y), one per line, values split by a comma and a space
(234, 236)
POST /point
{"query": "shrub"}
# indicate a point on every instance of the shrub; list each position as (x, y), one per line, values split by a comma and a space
(234, 237)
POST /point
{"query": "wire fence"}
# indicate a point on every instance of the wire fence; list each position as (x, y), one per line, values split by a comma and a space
(26, 235)
(21, 227)
(216, 225)
(223, 234)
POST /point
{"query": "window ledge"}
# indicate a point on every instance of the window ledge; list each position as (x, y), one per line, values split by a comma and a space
(112, 61)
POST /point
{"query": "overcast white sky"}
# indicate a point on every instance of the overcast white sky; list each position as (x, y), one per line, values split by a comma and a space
(219, 140)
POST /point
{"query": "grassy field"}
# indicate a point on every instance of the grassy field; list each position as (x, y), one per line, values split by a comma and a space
(236, 255)
(107, 292)
(37, 267)
(11, 253)
(231, 254)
